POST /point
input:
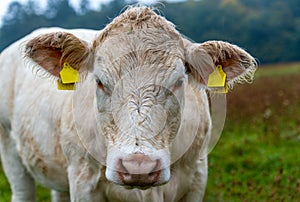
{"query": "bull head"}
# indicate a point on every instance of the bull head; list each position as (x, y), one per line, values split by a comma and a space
(135, 76)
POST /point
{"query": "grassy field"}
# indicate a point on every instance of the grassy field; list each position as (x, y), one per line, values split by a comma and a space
(258, 155)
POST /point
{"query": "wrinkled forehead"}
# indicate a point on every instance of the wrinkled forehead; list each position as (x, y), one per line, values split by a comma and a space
(152, 51)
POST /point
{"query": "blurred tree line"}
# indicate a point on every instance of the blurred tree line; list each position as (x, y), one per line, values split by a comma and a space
(269, 29)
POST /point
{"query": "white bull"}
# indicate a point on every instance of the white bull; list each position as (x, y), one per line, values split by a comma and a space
(137, 126)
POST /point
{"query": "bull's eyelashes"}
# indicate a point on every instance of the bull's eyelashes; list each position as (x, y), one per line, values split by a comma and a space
(100, 84)
(102, 87)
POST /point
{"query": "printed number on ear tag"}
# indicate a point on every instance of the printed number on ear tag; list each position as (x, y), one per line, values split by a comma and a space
(69, 76)
(217, 80)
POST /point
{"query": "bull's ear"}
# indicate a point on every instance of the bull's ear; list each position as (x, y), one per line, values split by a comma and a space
(52, 50)
(202, 60)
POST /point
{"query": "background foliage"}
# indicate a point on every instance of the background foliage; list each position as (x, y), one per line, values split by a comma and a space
(269, 29)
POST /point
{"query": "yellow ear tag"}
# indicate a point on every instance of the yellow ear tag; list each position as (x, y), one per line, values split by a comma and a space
(61, 86)
(69, 76)
(217, 80)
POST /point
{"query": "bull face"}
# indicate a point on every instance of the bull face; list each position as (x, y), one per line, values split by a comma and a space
(135, 91)
(140, 95)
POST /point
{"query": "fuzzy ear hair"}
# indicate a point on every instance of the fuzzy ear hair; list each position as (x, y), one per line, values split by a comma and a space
(50, 51)
(202, 60)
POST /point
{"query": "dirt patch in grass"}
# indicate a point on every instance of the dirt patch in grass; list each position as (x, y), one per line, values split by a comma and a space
(267, 97)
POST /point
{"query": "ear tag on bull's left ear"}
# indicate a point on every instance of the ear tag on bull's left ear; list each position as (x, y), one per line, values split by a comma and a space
(217, 80)
(69, 76)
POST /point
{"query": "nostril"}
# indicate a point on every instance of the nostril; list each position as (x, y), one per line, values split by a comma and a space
(151, 174)
(154, 174)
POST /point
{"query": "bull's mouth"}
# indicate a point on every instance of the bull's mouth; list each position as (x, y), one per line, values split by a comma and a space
(143, 187)
(141, 181)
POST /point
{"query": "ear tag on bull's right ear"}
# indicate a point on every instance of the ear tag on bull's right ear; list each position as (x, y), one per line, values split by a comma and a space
(69, 76)
(61, 86)
(217, 80)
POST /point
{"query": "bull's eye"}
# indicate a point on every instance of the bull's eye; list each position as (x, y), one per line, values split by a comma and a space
(100, 85)
(178, 84)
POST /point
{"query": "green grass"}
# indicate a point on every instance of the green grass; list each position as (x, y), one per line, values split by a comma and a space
(43, 194)
(252, 163)
(258, 155)
(4, 187)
